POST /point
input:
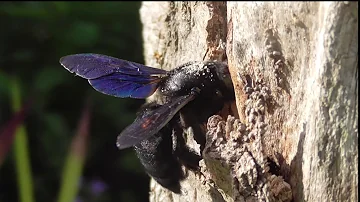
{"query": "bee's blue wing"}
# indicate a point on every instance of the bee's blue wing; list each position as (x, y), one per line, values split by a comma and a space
(113, 76)
(151, 122)
(121, 85)
(92, 66)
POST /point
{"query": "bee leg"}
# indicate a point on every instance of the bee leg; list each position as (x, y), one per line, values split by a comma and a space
(188, 119)
(188, 157)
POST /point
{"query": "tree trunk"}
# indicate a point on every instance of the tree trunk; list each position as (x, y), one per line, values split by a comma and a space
(295, 72)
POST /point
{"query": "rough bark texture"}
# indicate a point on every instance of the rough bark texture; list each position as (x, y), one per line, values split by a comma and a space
(295, 72)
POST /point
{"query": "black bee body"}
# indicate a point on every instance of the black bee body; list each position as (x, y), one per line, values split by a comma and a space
(163, 154)
(156, 154)
(211, 78)
(188, 94)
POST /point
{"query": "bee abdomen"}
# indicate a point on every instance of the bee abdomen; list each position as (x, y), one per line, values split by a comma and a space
(156, 156)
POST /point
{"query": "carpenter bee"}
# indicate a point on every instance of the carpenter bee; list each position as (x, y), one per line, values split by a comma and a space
(189, 94)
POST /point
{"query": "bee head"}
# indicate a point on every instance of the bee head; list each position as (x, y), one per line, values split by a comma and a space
(223, 74)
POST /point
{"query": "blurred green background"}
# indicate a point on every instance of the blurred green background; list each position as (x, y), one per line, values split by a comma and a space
(44, 161)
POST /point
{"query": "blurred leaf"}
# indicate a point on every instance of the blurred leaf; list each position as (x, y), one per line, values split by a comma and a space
(22, 157)
(75, 159)
(7, 134)
(83, 33)
(34, 35)
(32, 10)
(48, 78)
(62, 7)
(55, 124)
(4, 83)
(53, 141)
(24, 55)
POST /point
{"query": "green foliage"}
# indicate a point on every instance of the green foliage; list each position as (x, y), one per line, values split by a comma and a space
(75, 159)
(33, 37)
(21, 149)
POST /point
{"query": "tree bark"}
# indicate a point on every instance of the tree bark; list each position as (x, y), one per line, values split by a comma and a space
(294, 68)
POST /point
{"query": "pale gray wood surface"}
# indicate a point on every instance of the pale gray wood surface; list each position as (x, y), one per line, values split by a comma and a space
(304, 58)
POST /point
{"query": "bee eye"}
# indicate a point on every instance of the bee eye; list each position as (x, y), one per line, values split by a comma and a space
(218, 93)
